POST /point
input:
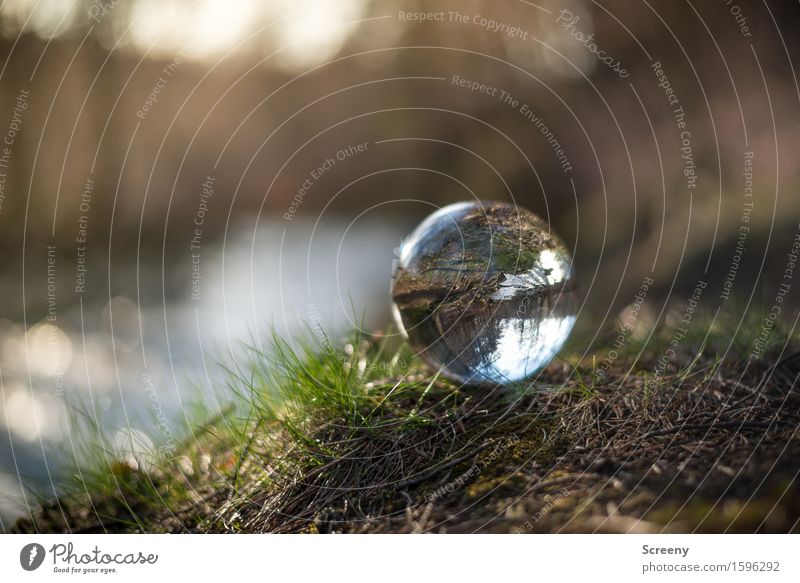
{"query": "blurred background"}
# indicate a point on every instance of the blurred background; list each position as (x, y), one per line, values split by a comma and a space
(178, 177)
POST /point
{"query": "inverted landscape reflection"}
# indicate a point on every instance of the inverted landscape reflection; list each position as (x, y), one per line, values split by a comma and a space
(485, 293)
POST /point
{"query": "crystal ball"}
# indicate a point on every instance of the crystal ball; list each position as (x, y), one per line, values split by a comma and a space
(484, 292)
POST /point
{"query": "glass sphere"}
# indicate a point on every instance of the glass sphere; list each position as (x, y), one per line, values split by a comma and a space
(484, 292)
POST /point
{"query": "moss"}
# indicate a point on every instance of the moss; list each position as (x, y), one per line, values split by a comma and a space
(360, 439)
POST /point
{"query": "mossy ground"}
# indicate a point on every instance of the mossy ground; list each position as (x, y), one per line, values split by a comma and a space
(361, 438)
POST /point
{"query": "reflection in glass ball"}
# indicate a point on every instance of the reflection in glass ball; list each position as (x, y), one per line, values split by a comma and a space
(484, 292)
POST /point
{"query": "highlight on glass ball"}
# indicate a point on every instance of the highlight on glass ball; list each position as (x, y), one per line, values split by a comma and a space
(485, 293)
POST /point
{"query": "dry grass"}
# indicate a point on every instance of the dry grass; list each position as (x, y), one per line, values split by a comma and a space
(363, 440)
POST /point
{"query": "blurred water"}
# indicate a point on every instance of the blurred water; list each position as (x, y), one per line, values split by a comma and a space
(137, 359)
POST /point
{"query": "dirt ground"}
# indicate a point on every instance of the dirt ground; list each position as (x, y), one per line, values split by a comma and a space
(707, 448)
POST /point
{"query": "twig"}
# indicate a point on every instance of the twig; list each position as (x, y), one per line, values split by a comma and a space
(435, 470)
(710, 426)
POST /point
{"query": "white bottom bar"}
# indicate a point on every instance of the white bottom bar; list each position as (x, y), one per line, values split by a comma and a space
(389, 558)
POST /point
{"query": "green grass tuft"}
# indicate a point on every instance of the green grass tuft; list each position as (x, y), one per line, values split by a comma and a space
(356, 435)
